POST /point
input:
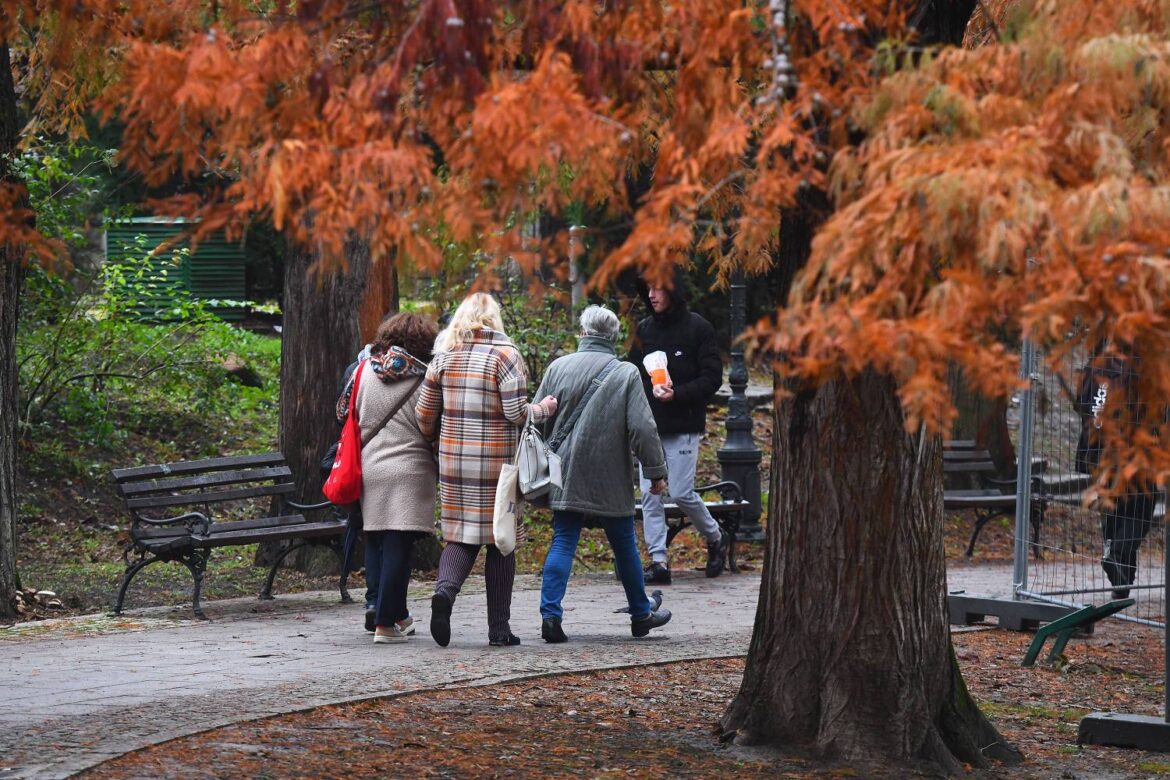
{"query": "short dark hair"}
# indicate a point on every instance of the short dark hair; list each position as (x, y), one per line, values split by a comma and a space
(409, 331)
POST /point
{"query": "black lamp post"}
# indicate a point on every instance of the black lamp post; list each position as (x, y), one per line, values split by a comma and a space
(739, 458)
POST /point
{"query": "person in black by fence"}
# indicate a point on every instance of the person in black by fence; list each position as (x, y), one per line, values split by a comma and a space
(1111, 377)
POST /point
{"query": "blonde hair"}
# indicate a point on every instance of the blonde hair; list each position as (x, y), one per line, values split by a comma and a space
(478, 310)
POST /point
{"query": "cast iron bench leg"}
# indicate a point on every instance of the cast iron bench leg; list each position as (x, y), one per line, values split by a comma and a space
(266, 591)
(196, 561)
(129, 574)
(1036, 516)
(344, 552)
(982, 518)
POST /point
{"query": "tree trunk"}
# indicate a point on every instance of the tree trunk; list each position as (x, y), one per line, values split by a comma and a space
(380, 298)
(11, 276)
(984, 421)
(319, 338)
(851, 653)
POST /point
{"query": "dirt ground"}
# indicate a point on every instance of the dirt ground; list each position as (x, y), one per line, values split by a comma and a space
(660, 722)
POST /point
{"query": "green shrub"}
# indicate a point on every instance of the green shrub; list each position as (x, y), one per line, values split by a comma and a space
(86, 360)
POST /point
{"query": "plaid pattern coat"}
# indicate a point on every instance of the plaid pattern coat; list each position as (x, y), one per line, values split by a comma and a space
(474, 400)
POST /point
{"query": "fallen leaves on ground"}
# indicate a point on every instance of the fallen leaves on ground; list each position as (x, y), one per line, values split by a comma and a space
(658, 721)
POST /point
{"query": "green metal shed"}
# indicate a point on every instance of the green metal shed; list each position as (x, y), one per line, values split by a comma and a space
(215, 271)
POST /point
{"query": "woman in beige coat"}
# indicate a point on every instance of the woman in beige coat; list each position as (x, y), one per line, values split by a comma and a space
(398, 464)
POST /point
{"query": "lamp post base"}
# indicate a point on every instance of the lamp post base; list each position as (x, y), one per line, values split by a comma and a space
(742, 466)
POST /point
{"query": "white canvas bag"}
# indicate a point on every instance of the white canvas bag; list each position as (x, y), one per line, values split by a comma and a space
(506, 514)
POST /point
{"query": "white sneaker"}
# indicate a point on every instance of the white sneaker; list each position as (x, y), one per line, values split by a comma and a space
(406, 626)
(384, 635)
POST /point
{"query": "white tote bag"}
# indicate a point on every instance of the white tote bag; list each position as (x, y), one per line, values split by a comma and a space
(505, 518)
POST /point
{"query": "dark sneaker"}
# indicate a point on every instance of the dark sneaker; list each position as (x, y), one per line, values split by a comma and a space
(1119, 574)
(441, 619)
(509, 640)
(717, 554)
(656, 619)
(1112, 568)
(371, 615)
(657, 574)
(551, 631)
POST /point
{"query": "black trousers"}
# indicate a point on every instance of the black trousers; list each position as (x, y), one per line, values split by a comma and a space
(1124, 527)
(392, 549)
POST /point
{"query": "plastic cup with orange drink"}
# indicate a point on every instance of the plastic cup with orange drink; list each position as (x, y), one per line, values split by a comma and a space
(655, 364)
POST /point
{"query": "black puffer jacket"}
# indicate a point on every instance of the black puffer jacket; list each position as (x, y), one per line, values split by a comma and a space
(693, 360)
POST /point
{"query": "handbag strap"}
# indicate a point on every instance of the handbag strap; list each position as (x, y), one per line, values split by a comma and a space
(394, 411)
(567, 427)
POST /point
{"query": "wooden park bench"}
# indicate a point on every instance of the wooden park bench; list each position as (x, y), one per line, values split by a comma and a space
(727, 511)
(181, 511)
(972, 482)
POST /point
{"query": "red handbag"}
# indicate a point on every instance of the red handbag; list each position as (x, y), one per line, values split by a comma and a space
(344, 485)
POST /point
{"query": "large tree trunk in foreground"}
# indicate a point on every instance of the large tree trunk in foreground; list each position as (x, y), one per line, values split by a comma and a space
(851, 654)
(11, 274)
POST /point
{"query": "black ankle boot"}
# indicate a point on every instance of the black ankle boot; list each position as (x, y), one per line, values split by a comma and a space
(551, 631)
(505, 640)
(441, 619)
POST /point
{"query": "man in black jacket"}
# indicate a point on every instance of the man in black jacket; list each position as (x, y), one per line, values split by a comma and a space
(680, 410)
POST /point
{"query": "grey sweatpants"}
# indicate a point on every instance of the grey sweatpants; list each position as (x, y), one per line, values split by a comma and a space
(682, 455)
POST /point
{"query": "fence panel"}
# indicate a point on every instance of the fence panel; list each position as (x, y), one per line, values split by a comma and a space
(1088, 550)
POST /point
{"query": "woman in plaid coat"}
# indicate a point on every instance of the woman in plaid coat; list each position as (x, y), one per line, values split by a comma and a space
(474, 400)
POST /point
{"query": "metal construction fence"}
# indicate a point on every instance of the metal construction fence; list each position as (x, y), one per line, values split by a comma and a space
(1074, 548)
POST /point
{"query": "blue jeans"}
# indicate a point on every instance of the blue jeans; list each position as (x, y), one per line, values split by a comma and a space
(558, 564)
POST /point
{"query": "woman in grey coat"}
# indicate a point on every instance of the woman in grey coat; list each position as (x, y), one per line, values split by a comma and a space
(597, 467)
(398, 463)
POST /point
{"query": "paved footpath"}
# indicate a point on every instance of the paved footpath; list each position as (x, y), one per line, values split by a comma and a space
(79, 691)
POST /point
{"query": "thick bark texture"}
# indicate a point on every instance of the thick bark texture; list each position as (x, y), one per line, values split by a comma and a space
(319, 338)
(11, 275)
(380, 298)
(851, 653)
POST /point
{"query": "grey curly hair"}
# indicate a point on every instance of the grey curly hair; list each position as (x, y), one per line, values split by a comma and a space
(600, 321)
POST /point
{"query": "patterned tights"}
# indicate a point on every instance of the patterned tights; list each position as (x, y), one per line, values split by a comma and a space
(500, 572)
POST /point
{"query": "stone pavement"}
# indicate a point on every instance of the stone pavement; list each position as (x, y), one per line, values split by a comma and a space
(82, 690)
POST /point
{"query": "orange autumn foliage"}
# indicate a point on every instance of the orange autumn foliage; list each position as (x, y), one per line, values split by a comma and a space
(1010, 189)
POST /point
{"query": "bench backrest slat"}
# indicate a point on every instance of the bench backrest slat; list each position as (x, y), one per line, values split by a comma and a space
(196, 466)
(965, 455)
(208, 480)
(194, 499)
